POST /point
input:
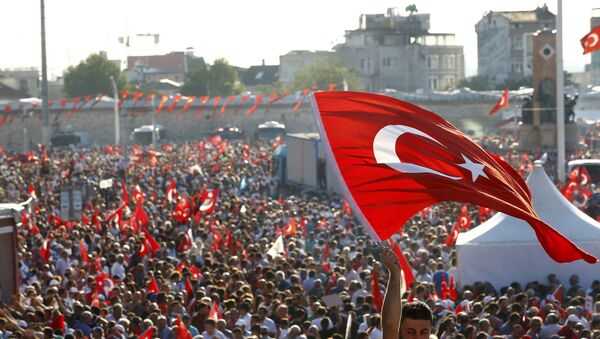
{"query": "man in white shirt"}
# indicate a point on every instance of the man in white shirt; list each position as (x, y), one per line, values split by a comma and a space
(118, 269)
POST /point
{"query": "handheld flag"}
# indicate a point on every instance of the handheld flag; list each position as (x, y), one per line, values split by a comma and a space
(391, 153)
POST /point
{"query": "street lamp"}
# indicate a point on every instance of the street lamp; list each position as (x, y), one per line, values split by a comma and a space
(116, 109)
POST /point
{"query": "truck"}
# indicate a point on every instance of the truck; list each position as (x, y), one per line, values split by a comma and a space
(305, 163)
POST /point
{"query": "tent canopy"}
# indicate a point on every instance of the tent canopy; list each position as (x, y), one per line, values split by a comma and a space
(505, 249)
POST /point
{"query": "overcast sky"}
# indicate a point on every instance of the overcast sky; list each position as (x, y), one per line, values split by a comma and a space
(244, 32)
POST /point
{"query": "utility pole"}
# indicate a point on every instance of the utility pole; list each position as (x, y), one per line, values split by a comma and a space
(560, 98)
(45, 109)
(116, 109)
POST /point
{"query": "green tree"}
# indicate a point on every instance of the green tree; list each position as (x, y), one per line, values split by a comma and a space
(220, 78)
(411, 9)
(92, 77)
(323, 73)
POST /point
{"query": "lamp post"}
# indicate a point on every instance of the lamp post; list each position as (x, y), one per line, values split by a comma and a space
(560, 99)
(45, 110)
(116, 109)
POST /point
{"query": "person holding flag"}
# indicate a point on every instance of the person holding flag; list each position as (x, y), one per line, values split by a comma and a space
(413, 320)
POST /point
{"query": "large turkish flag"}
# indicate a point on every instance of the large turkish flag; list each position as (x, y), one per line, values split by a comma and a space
(396, 158)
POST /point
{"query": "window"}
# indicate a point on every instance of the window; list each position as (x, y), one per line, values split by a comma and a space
(517, 42)
(368, 64)
(432, 62)
(389, 62)
(516, 67)
(449, 81)
(433, 82)
(362, 63)
(23, 86)
(448, 61)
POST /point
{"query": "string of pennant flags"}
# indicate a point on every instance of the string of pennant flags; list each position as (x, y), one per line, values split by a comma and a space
(139, 102)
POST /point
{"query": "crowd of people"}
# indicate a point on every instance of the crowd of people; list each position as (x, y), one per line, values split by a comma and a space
(197, 240)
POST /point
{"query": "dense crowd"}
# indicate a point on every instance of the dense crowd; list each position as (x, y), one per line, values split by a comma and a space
(198, 240)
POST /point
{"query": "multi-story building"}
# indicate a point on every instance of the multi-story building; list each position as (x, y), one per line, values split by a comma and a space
(595, 65)
(504, 43)
(153, 68)
(294, 61)
(391, 51)
(25, 80)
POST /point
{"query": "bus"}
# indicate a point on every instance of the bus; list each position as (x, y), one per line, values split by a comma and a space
(270, 130)
(143, 134)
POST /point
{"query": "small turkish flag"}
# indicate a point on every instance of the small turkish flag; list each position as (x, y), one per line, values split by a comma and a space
(396, 158)
(502, 103)
(591, 41)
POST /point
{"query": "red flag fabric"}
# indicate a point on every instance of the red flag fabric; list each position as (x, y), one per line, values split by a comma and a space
(558, 294)
(124, 195)
(174, 103)
(209, 200)
(182, 331)
(227, 102)
(187, 105)
(188, 287)
(45, 251)
(148, 334)
(138, 195)
(290, 229)
(257, 102)
(140, 217)
(502, 103)
(161, 103)
(84, 253)
(154, 246)
(376, 291)
(203, 101)
(584, 177)
(31, 191)
(58, 323)
(451, 240)
(346, 207)
(183, 210)
(368, 134)
(153, 286)
(408, 275)
(591, 41)
(332, 87)
(172, 191)
(215, 312)
(325, 258)
(301, 100)
(464, 221)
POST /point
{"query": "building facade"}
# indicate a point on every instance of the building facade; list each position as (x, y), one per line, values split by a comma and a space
(294, 61)
(25, 80)
(504, 43)
(394, 52)
(154, 68)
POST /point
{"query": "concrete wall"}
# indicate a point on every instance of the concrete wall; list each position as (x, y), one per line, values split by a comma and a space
(466, 115)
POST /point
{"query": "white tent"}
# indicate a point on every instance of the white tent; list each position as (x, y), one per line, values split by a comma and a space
(505, 249)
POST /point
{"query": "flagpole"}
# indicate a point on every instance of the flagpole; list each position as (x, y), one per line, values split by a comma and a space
(560, 99)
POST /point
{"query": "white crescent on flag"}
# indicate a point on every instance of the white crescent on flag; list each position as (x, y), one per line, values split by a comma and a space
(592, 40)
(384, 148)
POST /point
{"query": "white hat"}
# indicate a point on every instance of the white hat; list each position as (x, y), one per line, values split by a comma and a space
(53, 282)
(573, 318)
(488, 299)
(119, 328)
(73, 290)
(22, 323)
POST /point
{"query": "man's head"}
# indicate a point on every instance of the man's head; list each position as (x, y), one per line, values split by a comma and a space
(416, 321)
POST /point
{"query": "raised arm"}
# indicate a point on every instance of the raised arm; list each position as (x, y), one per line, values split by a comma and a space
(392, 304)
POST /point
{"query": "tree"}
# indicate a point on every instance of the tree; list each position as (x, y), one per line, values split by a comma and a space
(411, 9)
(92, 77)
(220, 78)
(323, 73)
